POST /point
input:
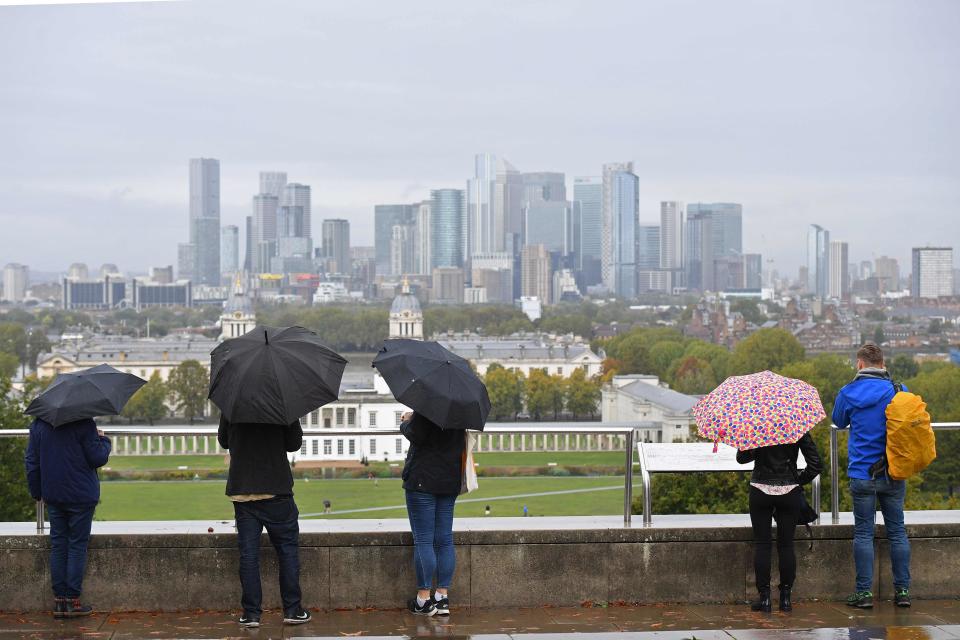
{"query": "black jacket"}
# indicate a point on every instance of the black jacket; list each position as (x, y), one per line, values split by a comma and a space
(435, 459)
(258, 456)
(777, 465)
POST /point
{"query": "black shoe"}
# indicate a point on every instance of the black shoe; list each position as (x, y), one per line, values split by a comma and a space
(300, 617)
(442, 605)
(785, 604)
(861, 600)
(249, 621)
(59, 605)
(427, 609)
(902, 598)
(763, 602)
(73, 608)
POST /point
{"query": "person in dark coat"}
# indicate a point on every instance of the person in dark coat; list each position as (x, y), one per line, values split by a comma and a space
(776, 493)
(432, 477)
(61, 464)
(260, 485)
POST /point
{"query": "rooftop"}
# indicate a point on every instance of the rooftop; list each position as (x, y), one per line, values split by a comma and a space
(668, 398)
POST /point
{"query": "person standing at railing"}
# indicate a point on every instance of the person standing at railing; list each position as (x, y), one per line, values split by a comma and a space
(861, 406)
(61, 464)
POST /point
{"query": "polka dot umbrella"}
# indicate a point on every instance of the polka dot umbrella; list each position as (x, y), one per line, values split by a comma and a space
(758, 410)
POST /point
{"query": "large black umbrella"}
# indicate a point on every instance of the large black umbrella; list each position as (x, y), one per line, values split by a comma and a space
(434, 382)
(98, 391)
(274, 375)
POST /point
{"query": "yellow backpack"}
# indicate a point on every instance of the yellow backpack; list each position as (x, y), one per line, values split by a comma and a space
(911, 444)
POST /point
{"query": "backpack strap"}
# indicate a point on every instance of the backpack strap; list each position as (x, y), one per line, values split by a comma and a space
(897, 387)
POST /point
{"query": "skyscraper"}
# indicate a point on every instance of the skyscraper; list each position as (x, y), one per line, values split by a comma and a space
(402, 249)
(248, 244)
(671, 242)
(887, 271)
(713, 230)
(548, 222)
(536, 277)
(619, 239)
(448, 228)
(649, 275)
(229, 249)
(264, 241)
(839, 270)
(932, 275)
(273, 182)
(753, 270)
(385, 218)
(422, 248)
(298, 195)
(336, 243)
(544, 185)
(16, 277)
(588, 229)
(818, 261)
(494, 206)
(205, 220)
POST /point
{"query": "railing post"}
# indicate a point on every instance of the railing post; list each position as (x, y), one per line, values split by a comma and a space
(628, 481)
(815, 489)
(40, 522)
(834, 478)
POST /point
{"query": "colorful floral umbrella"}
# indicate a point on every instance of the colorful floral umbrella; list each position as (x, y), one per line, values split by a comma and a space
(758, 410)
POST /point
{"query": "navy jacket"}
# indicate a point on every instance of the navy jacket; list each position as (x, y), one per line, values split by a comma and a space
(435, 458)
(62, 462)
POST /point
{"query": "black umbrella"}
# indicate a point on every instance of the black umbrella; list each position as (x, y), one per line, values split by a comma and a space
(274, 375)
(434, 382)
(99, 391)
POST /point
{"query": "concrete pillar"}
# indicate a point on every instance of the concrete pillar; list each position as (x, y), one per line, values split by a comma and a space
(194, 450)
(566, 442)
(160, 445)
(206, 444)
(136, 442)
(183, 444)
(500, 446)
(523, 442)
(126, 445)
(511, 442)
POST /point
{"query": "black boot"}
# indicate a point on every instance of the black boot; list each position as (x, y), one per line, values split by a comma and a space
(763, 602)
(785, 604)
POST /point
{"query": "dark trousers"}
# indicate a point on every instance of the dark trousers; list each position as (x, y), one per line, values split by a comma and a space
(69, 536)
(279, 516)
(764, 509)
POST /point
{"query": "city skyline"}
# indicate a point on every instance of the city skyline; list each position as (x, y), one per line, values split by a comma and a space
(98, 133)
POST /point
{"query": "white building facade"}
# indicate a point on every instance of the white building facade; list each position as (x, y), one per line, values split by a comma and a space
(663, 415)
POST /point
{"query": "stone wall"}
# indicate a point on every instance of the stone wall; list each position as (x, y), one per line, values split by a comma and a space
(522, 568)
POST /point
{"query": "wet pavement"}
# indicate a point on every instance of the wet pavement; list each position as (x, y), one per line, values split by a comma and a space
(927, 619)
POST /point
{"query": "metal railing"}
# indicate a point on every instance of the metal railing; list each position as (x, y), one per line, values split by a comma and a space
(625, 429)
(835, 462)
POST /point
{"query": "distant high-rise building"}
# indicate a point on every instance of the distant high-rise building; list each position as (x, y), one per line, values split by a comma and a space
(447, 285)
(495, 271)
(230, 249)
(248, 243)
(713, 230)
(866, 269)
(16, 277)
(109, 269)
(273, 182)
(536, 276)
(402, 249)
(385, 218)
(264, 241)
(753, 270)
(162, 275)
(494, 206)
(186, 262)
(588, 229)
(548, 222)
(818, 261)
(298, 195)
(932, 275)
(205, 220)
(650, 277)
(422, 248)
(544, 185)
(839, 270)
(671, 242)
(887, 271)
(336, 243)
(78, 271)
(619, 239)
(448, 228)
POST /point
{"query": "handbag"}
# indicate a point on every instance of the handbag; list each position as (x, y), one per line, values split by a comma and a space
(807, 516)
(468, 472)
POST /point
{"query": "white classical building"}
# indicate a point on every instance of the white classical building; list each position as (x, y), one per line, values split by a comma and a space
(524, 354)
(238, 316)
(406, 317)
(664, 415)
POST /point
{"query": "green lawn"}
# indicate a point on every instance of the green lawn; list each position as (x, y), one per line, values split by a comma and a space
(166, 463)
(205, 500)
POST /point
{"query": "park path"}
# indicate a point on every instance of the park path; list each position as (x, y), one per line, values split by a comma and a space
(463, 500)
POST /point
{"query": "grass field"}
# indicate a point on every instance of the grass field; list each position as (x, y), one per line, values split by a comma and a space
(206, 500)
(166, 463)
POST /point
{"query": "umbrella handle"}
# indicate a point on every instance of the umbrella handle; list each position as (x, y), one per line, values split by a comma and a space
(716, 443)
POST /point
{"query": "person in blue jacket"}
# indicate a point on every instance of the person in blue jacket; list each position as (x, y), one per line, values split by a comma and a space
(861, 406)
(62, 465)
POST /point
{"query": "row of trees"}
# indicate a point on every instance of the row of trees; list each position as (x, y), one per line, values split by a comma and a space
(541, 394)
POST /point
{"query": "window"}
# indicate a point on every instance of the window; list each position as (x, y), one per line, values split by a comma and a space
(314, 418)
(340, 447)
(316, 445)
(396, 417)
(399, 445)
(373, 418)
(373, 446)
(327, 447)
(340, 417)
(559, 371)
(303, 448)
(351, 417)
(326, 423)
(143, 373)
(352, 447)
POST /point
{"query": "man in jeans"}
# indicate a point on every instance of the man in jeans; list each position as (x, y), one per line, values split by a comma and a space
(61, 464)
(861, 405)
(260, 484)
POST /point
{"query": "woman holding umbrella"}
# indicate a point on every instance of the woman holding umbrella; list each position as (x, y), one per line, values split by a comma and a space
(447, 398)
(768, 418)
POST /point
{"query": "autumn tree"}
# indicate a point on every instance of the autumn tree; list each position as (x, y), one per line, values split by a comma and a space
(187, 388)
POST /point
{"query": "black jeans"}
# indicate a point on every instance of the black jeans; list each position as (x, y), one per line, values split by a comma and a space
(763, 510)
(279, 516)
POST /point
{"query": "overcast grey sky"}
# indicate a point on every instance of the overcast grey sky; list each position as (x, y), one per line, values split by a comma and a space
(840, 113)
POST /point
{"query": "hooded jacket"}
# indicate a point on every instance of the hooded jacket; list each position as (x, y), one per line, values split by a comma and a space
(435, 459)
(62, 462)
(861, 406)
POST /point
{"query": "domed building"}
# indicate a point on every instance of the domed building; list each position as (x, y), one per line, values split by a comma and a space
(238, 317)
(406, 317)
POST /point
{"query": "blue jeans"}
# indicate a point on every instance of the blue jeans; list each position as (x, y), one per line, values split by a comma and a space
(431, 520)
(279, 515)
(69, 536)
(890, 494)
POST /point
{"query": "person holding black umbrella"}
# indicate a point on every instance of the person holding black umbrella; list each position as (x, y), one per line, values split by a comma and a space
(447, 398)
(64, 451)
(263, 382)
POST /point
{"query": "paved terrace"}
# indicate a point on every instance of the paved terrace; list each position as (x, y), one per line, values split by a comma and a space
(929, 620)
